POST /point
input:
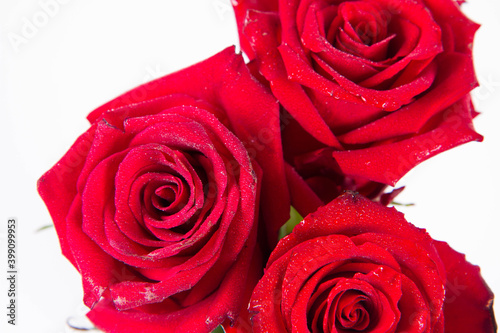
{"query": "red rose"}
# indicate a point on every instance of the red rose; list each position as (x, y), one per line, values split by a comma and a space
(156, 204)
(373, 87)
(355, 265)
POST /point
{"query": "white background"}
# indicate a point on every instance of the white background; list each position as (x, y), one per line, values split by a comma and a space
(81, 54)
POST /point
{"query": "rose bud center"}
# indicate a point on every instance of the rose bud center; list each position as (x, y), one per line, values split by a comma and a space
(351, 311)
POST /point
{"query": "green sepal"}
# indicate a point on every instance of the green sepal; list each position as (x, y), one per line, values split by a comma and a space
(287, 228)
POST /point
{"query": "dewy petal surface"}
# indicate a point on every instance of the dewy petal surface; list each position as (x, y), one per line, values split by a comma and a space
(355, 265)
(367, 80)
(158, 204)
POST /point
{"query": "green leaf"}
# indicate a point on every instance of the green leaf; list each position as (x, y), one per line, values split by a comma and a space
(219, 329)
(44, 227)
(395, 203)
(287, 228)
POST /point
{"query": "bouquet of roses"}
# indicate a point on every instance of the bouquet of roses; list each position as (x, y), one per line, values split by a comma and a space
(175, 204)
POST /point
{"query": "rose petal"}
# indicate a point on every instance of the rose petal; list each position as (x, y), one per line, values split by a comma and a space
(227, 298)
(388, 163)
(57, 187)
(468, 305)
(450, 85)
(98, 269)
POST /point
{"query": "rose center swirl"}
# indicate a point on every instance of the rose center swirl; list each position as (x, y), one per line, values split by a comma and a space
(343, 302)
(351, 311)
(167, 198)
